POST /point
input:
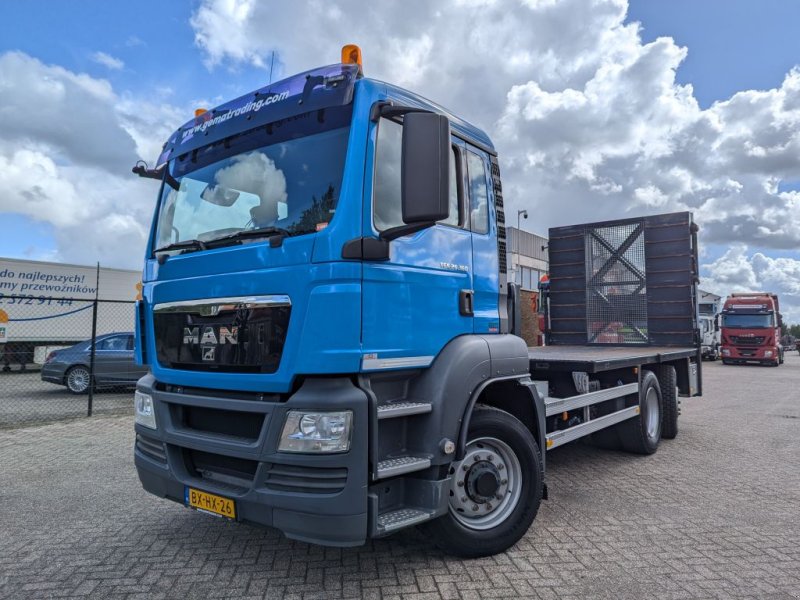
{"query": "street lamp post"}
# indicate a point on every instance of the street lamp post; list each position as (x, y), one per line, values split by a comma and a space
(523, 213)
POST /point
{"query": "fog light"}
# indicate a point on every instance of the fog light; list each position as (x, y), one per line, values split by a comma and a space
(143, 409)
(316, 431)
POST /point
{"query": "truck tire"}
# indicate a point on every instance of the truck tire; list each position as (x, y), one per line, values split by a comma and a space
(496, 489)
(641, 434)
(77, 379)
(668, 381)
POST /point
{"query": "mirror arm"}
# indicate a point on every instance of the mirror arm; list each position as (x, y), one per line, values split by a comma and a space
(403, 230)
(140, 169)
(387, 109)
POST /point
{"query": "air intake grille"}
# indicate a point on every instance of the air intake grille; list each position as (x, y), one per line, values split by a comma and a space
(309, 480)
(501, 216)
(740, 340)
(151, 448)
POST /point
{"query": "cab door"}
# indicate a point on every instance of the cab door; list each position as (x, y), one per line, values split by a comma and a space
(421, 297)
(485, 250)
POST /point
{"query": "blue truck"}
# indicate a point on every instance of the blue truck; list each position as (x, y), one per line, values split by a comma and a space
(334, 348)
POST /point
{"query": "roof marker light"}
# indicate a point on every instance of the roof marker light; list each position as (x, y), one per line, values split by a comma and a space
(199, 111)
(351, 55)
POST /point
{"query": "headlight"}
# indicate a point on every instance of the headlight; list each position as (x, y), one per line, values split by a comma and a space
(726, 352)
(144, 410)
(767, 353)
(316, 431)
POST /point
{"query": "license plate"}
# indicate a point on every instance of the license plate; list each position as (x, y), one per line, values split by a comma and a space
(210, 503)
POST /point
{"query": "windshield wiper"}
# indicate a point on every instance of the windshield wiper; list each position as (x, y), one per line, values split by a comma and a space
(275, 234)
(184, 245)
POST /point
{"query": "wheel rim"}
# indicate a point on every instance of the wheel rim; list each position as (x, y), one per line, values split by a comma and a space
(485, 458)
(653, 416)
(78, 380)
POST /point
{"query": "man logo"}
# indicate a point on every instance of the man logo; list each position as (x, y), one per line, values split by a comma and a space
(209, 353)
(192, 335)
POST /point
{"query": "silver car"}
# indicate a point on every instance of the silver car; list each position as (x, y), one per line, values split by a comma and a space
(114, 365)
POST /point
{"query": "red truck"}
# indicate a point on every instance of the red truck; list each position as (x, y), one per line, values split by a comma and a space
(751, 329)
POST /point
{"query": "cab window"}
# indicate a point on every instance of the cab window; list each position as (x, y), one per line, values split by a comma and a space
(478, 193)
(386, 203)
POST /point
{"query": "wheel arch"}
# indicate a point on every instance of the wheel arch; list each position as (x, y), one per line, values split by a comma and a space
(72, 366)
(515, 395)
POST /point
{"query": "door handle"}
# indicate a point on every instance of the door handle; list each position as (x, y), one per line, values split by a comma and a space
(466, 306)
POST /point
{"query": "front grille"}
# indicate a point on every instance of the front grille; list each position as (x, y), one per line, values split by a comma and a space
(229, 423)
(741, 340)
(232, 340)
(233, 472)
(309, 480)
(151, 448)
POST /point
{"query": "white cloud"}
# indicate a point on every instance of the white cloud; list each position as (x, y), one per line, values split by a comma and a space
(67, 145)
(740, 271)
(115, 64)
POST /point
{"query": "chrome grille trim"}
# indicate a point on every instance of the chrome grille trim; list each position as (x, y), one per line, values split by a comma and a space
(213, 306)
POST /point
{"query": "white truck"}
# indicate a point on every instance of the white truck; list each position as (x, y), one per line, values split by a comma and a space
(709, 306)
(44, 306)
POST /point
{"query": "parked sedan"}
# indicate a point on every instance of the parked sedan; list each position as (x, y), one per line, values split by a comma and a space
(113, 364)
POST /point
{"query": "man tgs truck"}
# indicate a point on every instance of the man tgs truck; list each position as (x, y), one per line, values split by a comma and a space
(332, 340)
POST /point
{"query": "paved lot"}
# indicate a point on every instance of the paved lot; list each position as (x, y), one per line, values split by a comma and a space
(26, 399)
(714, 514)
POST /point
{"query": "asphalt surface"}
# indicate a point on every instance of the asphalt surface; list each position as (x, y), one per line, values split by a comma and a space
(713, 514)
(25, 400)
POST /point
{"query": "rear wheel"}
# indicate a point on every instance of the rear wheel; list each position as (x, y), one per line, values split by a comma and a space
(495, 490)
(668, 382)
(642, 433)
(77, 380)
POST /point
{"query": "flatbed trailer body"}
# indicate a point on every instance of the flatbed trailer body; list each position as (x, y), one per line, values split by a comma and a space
(590, 388)
(594, 359)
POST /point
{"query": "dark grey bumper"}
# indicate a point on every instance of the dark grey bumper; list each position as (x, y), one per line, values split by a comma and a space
(53, 373)
(315, 498)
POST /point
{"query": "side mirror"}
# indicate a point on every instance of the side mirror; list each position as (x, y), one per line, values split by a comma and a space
(425, 168)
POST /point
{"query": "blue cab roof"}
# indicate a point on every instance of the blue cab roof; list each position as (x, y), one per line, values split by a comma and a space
(323, 87)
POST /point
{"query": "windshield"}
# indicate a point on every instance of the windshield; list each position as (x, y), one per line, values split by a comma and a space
(286, 175)
(744, 321)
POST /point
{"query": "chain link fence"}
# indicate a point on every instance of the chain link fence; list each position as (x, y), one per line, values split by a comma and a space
(64, 358)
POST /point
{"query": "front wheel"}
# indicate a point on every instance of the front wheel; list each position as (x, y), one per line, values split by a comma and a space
(77, 380)
(495, 490)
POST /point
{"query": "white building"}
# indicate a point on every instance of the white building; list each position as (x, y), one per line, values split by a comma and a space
(527, 257)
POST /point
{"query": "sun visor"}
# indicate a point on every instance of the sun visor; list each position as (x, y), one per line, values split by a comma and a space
(319, 88)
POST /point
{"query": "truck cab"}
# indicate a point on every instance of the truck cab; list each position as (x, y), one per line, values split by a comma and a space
(324, 253)
(751, 329)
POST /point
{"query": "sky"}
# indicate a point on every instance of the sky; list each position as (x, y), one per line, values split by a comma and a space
(599, 109)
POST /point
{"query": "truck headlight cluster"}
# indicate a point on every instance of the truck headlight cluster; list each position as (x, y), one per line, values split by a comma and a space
(144, 410)
(767, 353)
(316, 431)
(726, 352)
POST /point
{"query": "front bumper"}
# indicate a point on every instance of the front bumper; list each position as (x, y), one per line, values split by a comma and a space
(53, 373)
(754, 355)
(320, 499)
